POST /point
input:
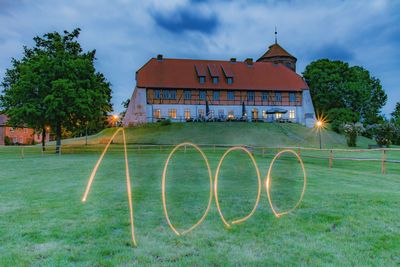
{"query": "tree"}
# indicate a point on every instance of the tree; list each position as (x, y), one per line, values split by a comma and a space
(125, 105)
(352, 130)
(385, 133)
(334, 84)
(340, 116)
(56, 84)
(396, 115)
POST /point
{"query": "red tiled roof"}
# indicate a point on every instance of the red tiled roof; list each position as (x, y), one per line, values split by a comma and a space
(181, 73)
(276, 50)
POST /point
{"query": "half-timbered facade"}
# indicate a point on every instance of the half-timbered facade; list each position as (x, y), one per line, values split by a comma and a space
(185, 90)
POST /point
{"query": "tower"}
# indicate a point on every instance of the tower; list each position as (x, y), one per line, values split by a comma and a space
(276, 54)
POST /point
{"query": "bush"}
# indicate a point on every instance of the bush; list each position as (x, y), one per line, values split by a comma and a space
(340, 116)
(7, 141)
(384, 133)
(166, 122)
(352, 130)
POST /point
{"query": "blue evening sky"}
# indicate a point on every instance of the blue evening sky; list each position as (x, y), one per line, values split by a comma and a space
(127, 33)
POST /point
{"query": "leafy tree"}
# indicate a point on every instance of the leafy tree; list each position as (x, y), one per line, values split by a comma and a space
(334, 84)
(56, 84)
(384, 133)
(125, 105)
(352, 130)
(396, 114)
(339, 116)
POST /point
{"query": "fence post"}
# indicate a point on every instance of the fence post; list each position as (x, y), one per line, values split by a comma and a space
(330, 158)
(185, 148)
(383, 161)
(214, 148)
(160, 148)
(263, 152)
(22, 152)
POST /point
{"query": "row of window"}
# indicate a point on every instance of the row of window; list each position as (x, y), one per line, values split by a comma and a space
(187, 94)
(201, 113)
(215, 80)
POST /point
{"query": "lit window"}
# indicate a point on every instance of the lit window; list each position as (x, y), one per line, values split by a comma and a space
(202, 79)
(229, 80)
(187, 114)
(157, 113)
(231, 95)
(278, 115)
(216, 95)
(250, 96)
(278, 97)
(264, 114)
(264, 96)
(156, 94)
(230, 114)
(11, 129)
(188, 95)
(172, 113)
(292, 114)
(292, 97)
(202, 95)
(215, 80)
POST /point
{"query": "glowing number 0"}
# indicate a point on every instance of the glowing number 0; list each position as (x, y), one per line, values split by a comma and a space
(163, 190)
(268, 183)
(216, 186)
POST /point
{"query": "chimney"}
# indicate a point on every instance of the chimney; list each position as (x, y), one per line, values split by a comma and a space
(249, 61)
(233, 60)
(159, 57)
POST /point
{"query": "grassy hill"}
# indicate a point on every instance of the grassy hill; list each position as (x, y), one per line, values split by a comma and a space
(262, 134)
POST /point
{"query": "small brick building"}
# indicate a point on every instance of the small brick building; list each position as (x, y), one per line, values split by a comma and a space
(18, 135)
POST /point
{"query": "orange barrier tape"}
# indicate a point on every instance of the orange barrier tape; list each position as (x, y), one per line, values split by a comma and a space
(164, 194)
(268, 183)
(237, 221)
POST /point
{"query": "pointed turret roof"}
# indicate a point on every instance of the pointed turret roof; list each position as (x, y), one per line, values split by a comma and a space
(275, 50)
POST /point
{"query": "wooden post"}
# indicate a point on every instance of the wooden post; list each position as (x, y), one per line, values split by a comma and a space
(185, 148)
(383, 161)
(263, 152)
(160, 148)
(22, 152)
(214, 148)
(330, 158)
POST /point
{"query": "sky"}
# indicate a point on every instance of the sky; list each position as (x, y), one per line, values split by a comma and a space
(127, 33)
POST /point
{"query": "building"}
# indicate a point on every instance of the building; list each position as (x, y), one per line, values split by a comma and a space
(186, 90)
(23, 136)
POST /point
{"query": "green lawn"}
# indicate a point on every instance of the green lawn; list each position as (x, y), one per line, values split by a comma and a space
(349, 216)
(261, 134)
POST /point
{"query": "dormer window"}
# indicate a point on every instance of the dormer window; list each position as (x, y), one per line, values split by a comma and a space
(202, 79)
(215, 80)
(229, 80)
(228, 73)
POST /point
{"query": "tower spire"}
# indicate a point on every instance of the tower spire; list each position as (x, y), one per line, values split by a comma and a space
(276, 36)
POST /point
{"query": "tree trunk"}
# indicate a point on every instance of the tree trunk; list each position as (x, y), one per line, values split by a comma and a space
(58, 138)
(44, 138)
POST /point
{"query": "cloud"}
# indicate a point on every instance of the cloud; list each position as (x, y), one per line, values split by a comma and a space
(333, 52)
(187, 18)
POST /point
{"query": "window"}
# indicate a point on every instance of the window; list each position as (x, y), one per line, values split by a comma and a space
(216, 95)
(229, 80)
(278, 97)
(25, 130)
(215, 80)
(231, 95)
(230, 114)
(187, 114)
(15, 140)
(201, 113)
(278, 115)
(264, 96)
(157, 113)
(156, 94)
(202, 95)
(292, 97)
(264, 114)
(172, 113)
(188, 95)
(202, 79)
(172, 94)
(221, 113)
(11, 129)
(250, 96)
(292, 114)
(165, 94)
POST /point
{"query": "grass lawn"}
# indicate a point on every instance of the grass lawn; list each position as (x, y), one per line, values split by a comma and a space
(349, 216)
